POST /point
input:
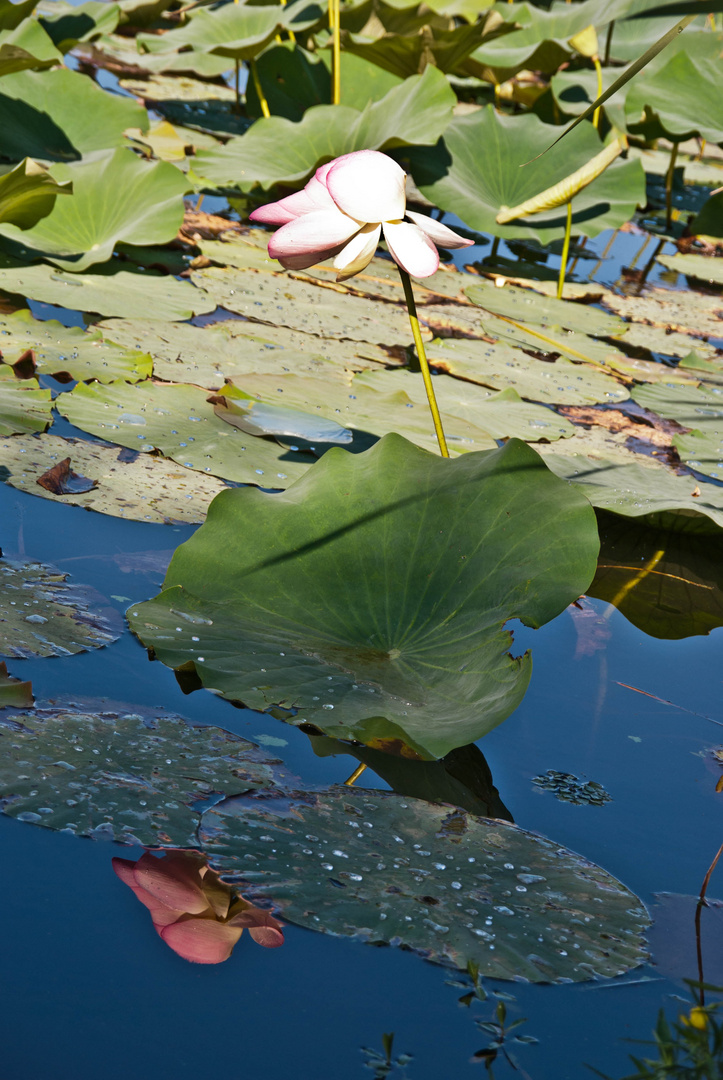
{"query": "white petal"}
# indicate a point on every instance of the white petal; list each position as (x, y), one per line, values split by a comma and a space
(358, 253)
(311, 238)
(439, 233)
(368, 186)
(411, 248)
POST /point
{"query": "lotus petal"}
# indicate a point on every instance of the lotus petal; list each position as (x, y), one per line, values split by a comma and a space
(358, 253)
(261, 925)
(368, 186)
(411, 248)
(313, 197)
(160, 913)
(202, 941)
(437, 232)
(311, 237)
(173, 883)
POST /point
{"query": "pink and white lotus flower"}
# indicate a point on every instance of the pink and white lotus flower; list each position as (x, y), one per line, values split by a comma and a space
(341, 214)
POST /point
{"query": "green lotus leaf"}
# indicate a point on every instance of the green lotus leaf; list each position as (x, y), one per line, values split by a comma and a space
(695, 266)
(116, 197)
(682, 310)
(458, 889)
(404, 55)
(42, 614)
(695, 108)
(68, 350)
(370, 597)
(12, 14)
(532, 307)
(292, 79)
(474, 170)
(668, 584)
(240, 31)
(108, 291)
(208, 356)
(66, 24)
(23, 406)
(28, 193)
(26, 46)
(60, 115)
(13, 692)
(143, 12)
(499, 365)
(709, 222)
(362, 82)
(136, 487)
(575, 90)
(275, 149)
(179, 421)
(130, 776)
(701, 410)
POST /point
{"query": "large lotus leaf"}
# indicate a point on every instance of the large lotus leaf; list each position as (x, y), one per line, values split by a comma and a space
(240, 31)
(499, 366)
(362, 82)
(292, 79)
(692, 312)
(178, 421)
(116, 198)
(143, 12)
(23, 406)
(709, 222)
(695, 108)
(12, 14)
(168, 142)
(456, 888)
(575, 91)
(208, 356)
(474, 170)
(371, 596)
(60, 115)
(405, 55)
(68, 350)
(695, 266)
(669, 585)
(634, 486)
(120, 54)
(376, 407)
(532, 307)
(139, 487)
(203, 106)
(275, 149)
(28, 193)
(26, 46)
(66, 24)
(696, 366)
(129, 776)
(701, 410)
(41, 614)
(298, 305)
(660, 341)
(109, 291)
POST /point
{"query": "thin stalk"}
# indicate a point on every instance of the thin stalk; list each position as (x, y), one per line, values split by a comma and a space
(650, 264)
(581, 243)
(669, 186)
(565, 250)
(259, 92)
(604, 255)
(237, 85)
(422, 357)
(609, 42)
(495, 247)
(198, 204)
(292, 35)
(700, 906)
(355, 776)
(639, 252)
(335, 26)
(598, 69)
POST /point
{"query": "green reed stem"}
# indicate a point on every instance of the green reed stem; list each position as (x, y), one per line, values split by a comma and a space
(565, 250)
(669, 186)
(259, 92)
(598, 69)
(335, 21)
(422, 356)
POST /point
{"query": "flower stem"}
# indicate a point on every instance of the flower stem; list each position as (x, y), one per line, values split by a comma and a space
(259, 92)
(598, 69)
(565, 250)
(422, 356)
(335, 27)
(354, 776)
(669, 186)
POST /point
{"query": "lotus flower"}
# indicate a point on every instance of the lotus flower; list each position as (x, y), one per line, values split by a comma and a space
(195, 912)
(341, 214)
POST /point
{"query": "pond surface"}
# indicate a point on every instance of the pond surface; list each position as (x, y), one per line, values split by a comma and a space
(92, 991)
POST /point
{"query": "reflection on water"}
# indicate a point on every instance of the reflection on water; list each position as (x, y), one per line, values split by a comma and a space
(194, 912)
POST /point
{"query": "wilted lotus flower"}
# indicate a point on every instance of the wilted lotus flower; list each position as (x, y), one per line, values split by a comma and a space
(341, 214)
(192, 909)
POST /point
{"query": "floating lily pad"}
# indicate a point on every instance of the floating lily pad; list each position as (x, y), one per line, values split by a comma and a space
(132, 776)
(179, 421)
(61, 115)
(275, 149)
(457, 889)
(23, 406)
(146, 208)
(139, 487)
(24, 47)
(67, 24)
(63, 350)
(42, 614)
(28, 193)
(500, 365)
(207, 356)
(528, 306)
(386, 624)
(701, 410)
(109, 291)
(695, 313)
(696, 266)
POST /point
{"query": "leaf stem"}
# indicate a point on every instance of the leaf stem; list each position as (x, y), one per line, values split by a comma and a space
(422, 357)
(354, 776)
(259, 92)
(608, 43)
(565, 250)
(669, 186)
(237, 85)
(598, 69)
(335, 27)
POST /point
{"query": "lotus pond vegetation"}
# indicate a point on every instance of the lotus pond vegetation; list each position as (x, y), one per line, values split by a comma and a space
(354, 355)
